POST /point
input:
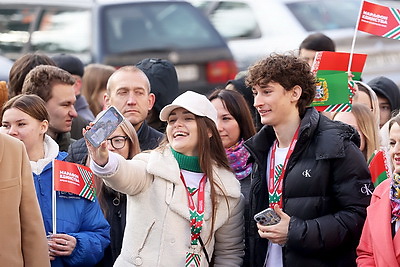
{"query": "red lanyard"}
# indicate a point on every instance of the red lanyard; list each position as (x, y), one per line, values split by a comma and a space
(196, 222)
(275, 187)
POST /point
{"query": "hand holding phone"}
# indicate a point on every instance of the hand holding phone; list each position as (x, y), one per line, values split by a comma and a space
(104, 126)
(267, 217)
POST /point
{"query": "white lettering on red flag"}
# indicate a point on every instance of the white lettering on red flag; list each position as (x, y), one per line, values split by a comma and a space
(73, 178)
(380, 20)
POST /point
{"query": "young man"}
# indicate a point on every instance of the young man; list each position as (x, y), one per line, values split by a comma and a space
(75, 67)
(307, 168)
(55, 87)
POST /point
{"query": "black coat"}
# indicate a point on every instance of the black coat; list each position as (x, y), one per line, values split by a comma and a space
(323, 193)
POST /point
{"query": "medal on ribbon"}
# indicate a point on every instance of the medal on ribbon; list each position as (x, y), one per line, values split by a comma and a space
(193, 258)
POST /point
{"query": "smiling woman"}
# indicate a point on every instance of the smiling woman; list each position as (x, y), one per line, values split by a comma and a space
(379, 236)
(187, 179)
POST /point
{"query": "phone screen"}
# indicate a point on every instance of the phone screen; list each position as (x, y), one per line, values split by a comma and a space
(104, 126)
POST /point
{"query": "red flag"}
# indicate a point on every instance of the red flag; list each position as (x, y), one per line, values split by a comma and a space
(380, 20)
(73, 178)
(327, 62)
(378, 167)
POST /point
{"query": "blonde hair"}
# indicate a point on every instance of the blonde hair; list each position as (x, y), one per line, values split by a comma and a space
(134, 149)
(367, 127)
(363, 87)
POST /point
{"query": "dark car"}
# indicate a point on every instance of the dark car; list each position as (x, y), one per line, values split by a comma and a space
(118, 33)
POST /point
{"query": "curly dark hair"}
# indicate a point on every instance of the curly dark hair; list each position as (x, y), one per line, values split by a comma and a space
(288, 71)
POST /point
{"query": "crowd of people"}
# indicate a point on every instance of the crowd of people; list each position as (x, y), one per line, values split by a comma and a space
(178, 183)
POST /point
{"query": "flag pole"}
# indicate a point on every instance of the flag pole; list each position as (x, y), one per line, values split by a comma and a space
(354, 38)
(54, 203)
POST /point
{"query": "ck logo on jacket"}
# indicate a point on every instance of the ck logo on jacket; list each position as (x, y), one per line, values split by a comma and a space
(307, 173)
(366, 189)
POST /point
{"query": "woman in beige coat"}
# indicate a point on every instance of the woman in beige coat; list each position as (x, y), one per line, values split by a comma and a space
(22, 236)
(184, 202)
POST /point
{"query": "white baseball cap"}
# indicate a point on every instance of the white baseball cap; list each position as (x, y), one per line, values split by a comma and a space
(196, 103)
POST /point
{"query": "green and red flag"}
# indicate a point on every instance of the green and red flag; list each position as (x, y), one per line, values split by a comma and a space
(334, 92)
(327, 62)
(378, 167)
(73, 178)
(379, 20)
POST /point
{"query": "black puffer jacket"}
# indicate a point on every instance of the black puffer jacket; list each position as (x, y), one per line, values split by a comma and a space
(323, 192)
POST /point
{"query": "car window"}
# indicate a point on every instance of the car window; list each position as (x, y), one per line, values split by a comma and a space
(325, 15)
(62, 31)
(232, 19)
(156, 26)
(54, 30)
(14, 28)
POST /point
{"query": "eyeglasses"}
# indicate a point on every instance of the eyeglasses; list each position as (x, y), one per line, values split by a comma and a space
(118, 142)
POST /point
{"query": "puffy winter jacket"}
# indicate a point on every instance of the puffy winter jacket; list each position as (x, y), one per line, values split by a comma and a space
(76, 216)
(326, 190)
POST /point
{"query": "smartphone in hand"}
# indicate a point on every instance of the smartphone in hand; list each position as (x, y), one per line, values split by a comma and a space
(104, 126)
(267, 217)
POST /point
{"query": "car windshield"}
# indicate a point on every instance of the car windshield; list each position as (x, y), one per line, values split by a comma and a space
(237, 19)
(231, 19)
(59, 30)
(156, 26)
(325, 15)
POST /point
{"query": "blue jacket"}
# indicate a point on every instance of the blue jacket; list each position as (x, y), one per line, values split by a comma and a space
(76, 216)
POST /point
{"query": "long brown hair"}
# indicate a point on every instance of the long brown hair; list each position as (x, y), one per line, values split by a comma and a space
(237, 106)
(211, 152)
(367, 127)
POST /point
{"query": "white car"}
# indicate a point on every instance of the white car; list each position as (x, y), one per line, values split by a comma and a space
(255, 28)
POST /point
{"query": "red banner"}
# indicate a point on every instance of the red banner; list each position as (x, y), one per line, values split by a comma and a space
(73, 178)
(338, 61)
(380, 20)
